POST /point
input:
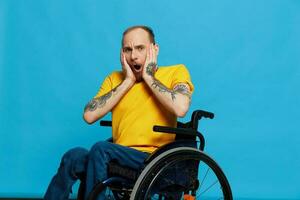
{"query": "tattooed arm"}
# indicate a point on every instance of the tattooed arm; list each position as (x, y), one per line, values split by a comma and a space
(176, 99)
(100, 106)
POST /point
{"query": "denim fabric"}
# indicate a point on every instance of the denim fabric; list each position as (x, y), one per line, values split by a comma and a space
(93, 164)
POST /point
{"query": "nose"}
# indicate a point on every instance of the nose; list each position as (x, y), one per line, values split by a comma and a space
(133, 55)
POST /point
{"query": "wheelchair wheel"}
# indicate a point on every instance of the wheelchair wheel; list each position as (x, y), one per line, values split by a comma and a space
(182, 173)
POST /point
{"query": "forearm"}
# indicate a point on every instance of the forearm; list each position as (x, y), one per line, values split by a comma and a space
(175, 100)
(100, 106)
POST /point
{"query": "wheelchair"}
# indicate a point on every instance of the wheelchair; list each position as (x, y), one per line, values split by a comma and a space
(175, 171)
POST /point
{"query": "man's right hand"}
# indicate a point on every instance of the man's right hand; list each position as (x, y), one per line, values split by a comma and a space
(128, 74)
(101, 105)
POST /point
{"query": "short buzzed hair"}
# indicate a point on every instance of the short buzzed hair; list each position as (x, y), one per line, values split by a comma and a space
(145, 28)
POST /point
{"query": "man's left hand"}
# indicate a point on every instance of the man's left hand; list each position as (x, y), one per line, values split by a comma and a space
(150, 65)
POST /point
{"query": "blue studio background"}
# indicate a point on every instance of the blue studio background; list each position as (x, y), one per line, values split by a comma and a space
(243, 57)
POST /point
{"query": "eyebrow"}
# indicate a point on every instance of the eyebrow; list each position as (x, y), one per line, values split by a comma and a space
(137, 46)
(128, 48)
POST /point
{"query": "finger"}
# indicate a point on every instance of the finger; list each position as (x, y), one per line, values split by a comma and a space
(151, 55)
(125, 64)
(121, 57)
(155, 54)
(125, 61)
(146, 60)
(147, 56)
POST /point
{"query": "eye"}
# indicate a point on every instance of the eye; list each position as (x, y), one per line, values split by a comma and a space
(126, 50)
(140, 48)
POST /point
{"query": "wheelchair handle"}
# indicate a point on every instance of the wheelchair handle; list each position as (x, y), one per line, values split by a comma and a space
(197, 115)
(105, 123)
(181, 131)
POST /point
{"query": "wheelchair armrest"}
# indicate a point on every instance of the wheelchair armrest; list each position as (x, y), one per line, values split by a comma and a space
(105, 123)
(181, 131)
(172, 130)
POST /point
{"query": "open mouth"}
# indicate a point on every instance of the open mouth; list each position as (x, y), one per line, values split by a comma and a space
(137, 67)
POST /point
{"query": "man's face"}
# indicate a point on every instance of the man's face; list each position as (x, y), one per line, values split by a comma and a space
(135, 44)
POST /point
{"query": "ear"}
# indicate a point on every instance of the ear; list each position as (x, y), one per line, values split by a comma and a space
(156, 48)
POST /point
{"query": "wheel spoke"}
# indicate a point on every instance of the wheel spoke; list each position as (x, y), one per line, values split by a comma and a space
(202, 181)
(208, 188)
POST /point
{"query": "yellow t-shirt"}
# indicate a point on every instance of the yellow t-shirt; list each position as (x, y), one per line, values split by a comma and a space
(138, 111)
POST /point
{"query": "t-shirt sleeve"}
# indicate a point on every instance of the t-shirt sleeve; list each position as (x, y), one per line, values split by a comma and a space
(105, 87)
(182, 75)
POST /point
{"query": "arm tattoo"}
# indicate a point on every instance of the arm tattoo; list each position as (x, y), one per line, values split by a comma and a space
(99, 102)
(183, 89)
(150, 69)
(162, 88)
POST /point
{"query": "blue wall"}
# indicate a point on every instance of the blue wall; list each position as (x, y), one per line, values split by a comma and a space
(244, 61)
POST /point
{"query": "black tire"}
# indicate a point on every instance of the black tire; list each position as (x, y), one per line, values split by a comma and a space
(155, 182)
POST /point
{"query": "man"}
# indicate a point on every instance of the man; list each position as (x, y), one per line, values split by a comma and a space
(140, 96)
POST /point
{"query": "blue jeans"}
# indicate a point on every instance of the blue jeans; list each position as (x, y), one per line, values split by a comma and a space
(92, 165)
